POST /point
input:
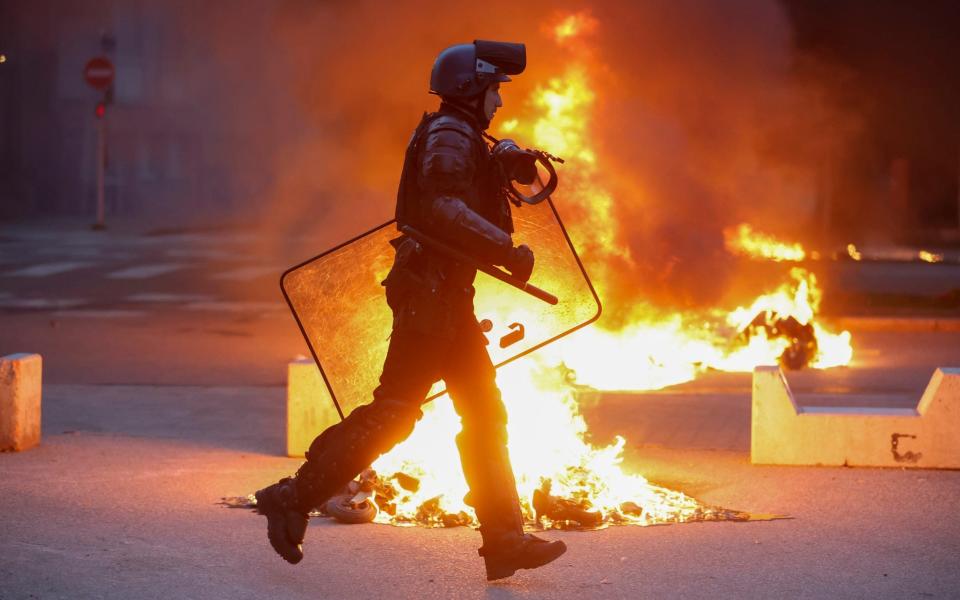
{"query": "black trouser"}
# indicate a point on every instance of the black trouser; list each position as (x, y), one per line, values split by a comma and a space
(414, 362)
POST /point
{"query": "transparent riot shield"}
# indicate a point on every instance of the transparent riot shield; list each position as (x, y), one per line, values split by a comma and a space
(341, 308)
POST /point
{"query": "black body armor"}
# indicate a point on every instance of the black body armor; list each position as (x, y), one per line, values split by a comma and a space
(451, 188)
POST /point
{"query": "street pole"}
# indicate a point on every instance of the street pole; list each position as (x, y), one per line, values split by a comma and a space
(101, 165)
(98, 73)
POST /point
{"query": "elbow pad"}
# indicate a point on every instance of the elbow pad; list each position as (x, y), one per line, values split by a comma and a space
(470, 231)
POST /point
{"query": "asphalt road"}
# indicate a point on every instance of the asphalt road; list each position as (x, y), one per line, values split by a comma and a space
(205, 308)
(164, 392)
(120, 502)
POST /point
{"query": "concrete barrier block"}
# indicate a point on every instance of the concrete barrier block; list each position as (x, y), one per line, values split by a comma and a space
(20, 387)
(310, 409)
(784, 433)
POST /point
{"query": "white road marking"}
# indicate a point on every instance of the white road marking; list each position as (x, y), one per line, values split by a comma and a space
(85, 252)
(206, 253)
(145, 271)
(248, 273)
(165, 297)
(48, 269)
(248, 306)
(41, 303)
(113, 313)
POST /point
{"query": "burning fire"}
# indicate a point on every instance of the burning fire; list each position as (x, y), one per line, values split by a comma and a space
(546, 445)
(894, 254)
(574, 26)
(561, 477)
(743, 240)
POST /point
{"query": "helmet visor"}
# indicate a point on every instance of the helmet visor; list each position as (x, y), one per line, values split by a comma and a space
(508, 57)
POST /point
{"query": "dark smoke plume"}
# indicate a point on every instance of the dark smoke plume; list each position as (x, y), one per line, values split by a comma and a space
(699, 122)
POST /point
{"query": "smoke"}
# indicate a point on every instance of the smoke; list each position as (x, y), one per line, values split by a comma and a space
(700, 122)
(704, 125)
(357, 77)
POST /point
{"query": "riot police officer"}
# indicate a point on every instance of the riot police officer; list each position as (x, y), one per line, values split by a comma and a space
(452, 187)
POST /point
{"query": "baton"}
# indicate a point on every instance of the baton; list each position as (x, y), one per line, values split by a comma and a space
(490, 270)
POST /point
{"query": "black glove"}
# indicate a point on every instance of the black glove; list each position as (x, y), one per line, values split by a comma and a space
(520, 262)
(518, 164)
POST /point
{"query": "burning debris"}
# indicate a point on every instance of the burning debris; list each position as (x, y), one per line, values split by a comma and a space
(744, 241)
(566, 512)
(801, 337)
(369, 496)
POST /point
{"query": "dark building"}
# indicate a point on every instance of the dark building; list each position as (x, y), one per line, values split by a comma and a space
(894, 65)
(194, 121)
(176, 143)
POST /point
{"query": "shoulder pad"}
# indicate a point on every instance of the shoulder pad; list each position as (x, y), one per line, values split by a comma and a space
(453, 123)
(449, 154)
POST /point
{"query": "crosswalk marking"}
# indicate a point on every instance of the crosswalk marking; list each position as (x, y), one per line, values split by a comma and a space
(145, 271)
(248, 273)
(41, 303)
(238, 306)
(205, 254)
(48, 269)
(166, 297)
(106, 313)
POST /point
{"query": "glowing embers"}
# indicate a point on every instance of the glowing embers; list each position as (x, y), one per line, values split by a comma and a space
(930, 257)
(893, 254)
(743, 240)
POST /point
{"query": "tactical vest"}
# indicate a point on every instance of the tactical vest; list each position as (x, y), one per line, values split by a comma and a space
(485, 194)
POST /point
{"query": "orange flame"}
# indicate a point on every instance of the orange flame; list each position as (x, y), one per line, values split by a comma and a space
(574, 26)
(744, 241)
(547, 432)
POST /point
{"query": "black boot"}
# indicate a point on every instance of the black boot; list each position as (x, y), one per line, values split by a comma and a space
(286, 514)
(335, 457)
(505, 553)
(287, 504)
(493, 495)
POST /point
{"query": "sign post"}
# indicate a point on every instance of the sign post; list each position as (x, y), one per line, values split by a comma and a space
(99, 74)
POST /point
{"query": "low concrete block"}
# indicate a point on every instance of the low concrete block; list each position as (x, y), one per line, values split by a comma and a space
(310, 409)
(20, 383)
(783, 433)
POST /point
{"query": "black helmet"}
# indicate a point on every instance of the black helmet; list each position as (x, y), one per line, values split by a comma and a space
(465, 70)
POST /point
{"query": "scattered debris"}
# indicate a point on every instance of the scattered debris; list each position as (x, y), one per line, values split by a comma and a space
(407, 482)
(361, 500)
(346, 509)
(357, 504)
(563, 512)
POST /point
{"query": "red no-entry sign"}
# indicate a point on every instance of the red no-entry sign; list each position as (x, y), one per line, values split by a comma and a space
(99, 72)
